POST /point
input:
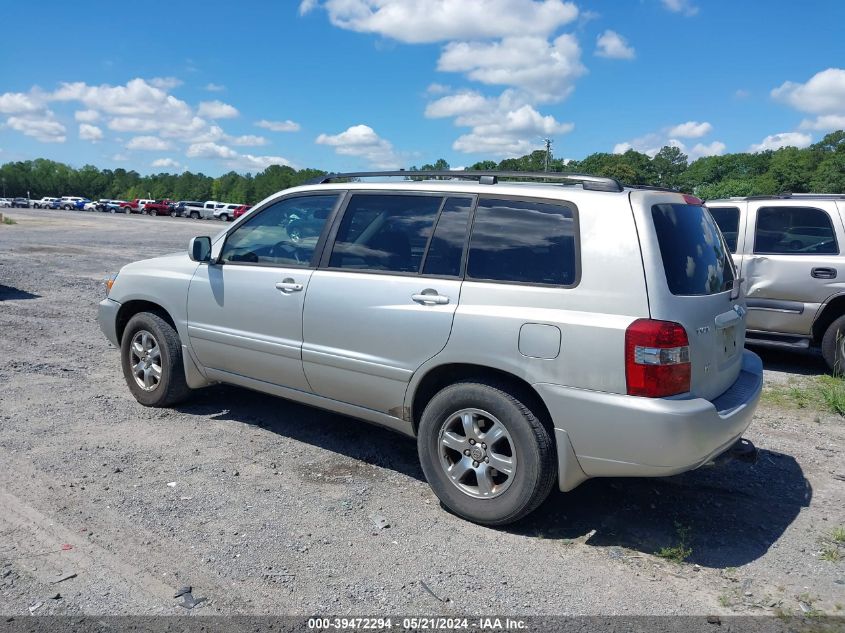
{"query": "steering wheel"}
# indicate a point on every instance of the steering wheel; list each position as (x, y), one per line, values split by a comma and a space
(285, 249)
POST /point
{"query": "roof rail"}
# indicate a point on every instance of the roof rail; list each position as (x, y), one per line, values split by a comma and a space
(793, 196)
(653, 188)
(588, 182)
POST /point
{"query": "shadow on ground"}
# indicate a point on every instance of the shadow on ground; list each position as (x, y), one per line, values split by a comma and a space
(733, 513)
(8, 292)
(804, 363)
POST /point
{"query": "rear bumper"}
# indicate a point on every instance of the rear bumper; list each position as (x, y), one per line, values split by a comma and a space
(614, 435)
(107, 318)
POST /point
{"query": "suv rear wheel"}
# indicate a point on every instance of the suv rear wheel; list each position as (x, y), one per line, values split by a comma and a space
(833, 346)
(151, 357)
(485, 454)
(224, 217)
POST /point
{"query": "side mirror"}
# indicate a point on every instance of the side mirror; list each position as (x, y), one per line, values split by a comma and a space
(199, 248)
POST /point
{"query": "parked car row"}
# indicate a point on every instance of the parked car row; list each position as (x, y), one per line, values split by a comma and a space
(210, 209)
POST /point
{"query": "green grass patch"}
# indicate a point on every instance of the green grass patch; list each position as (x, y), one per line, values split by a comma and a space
(838, 534)
(681, 551)
(8, 221)
(831, 554)
(816, 393)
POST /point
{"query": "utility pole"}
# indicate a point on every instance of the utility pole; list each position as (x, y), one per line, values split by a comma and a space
(548, 142)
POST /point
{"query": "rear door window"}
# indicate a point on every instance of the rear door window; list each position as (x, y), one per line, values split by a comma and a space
(727, 218)
(794, 231)
(446, 248)
(695, 258)
(385, 233)
(524, 242)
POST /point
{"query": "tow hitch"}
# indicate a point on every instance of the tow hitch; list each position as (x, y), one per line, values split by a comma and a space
(742, 450)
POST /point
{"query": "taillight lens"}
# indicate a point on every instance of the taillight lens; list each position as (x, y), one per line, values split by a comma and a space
(657, 362)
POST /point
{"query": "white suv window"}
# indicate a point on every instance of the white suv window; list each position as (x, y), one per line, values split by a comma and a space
(386, 233)
(283, 234)
(523, 241)
(794, 231)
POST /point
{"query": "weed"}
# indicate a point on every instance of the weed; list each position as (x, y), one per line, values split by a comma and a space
(725, 600)
(838, 534)
(831, 554)
(680, 552)
(8, 221)
(818, 393)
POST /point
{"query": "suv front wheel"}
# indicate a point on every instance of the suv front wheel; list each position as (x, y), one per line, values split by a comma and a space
(151, 357)
(485, 454)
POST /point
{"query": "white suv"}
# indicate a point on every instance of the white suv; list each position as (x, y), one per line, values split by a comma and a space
(527, 334)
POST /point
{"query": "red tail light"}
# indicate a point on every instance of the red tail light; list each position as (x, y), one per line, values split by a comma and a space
(657, 362)
(693, 200)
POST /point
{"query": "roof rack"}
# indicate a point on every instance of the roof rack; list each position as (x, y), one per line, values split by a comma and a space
(588, 182)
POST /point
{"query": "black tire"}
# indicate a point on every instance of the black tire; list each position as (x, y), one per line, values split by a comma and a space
(833, 346)
(532, 446)
(224, 217)
(195, 215)
(171, 387)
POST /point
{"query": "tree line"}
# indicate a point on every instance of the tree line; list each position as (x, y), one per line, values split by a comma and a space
(819, 168)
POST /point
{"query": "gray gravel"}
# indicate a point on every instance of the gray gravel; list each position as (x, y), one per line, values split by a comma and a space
(268, 507)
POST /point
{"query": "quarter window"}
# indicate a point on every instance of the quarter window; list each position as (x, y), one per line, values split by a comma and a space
(794, 231)
(386, 233)
(728, 220)
(283, 234)
(520, 241)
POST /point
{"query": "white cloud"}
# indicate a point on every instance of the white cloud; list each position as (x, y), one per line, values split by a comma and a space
(86, 116)
(42, 126)
(691, 129)
(148, 143)
(88, 132)
(217, 110)
(19, 103)
(653, 142)
(499, 126)
(248, 140)
(680, 6)
(166, 83)
(213, 87)
(825, 123)
(824, 93)
(546, 70)
(785, 139)
(716, 148)
(278, 126)
(119, 157)
(458, 104)
(233, 159)
(424, 21)
(166, 163)
(612, 45)
(362, 140)
(741, 93)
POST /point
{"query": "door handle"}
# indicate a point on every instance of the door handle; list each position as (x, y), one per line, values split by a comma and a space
(288, 286)
(430, 296)
(823, 273)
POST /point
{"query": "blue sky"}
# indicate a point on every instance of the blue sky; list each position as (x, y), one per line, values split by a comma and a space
(358, 84)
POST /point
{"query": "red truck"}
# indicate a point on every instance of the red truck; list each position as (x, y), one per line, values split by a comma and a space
(159, 207)
(135, 206)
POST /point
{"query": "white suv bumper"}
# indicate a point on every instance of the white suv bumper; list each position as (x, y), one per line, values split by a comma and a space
(614, 435)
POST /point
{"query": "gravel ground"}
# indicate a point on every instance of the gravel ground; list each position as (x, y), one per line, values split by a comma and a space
(269, 507)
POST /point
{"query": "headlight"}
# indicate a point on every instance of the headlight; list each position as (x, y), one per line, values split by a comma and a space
(109, 282)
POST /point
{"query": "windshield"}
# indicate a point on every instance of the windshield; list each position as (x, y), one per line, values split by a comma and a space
(695, 258)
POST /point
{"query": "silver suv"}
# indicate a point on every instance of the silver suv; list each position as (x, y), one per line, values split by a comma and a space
(788, 249)
(527, 334)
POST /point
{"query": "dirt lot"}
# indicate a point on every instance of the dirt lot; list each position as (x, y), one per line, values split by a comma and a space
(268, 507)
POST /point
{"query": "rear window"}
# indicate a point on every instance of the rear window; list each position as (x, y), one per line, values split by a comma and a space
(695, 258)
